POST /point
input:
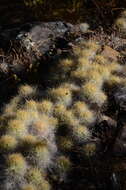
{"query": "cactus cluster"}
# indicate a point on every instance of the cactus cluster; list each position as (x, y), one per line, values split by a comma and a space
(40, 132)
(120, 23)
(28, 141)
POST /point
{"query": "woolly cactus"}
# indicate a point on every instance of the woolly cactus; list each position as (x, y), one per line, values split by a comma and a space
(66, 117)
(45, 107)
(16, 164)
(100, 59)
(63, 165)
(7, 143)
(82, 112)
(27, 142)
(65, 144)
(66, 65)
(44, 185)
(26, 90)
(120, 23)
(114, 81)
(92, 93)
(16, 128)
(40, 155)
(61, 95)
(41, 133)
(34, 176)
(81, 133)
(28, 187)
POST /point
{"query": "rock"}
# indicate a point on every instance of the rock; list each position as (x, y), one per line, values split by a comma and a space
(120, 144)
(111, 122)
(120, 98)
(110, 53)
(24, 45)
(41, 36)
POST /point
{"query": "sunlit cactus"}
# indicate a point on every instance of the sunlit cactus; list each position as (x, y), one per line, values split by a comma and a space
(121, 23)
(102, 70)
(92, 93)
(28, 187)
(41, 127)
(95, 77)
(83, 63)
(71, 85)
(61, 95)
(65, 143)
(26, 90)
(16, 164)
(83, 113)
(45, 136)
(22, 114)
(40, 155)
(11, 108)
(93, 45)
(63, 165)
(31, 105)
(115, 67)
(81, 133)
(7, 143)
(44, 185)
(114, 81)
(87, 52)
(34, 176)
(66, 65)
(65, 116)
(16, 128)
(100, 60)
(45, 107)
(79, 74)
(28, 142)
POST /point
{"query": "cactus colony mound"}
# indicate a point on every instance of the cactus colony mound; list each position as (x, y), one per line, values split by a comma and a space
(45, 135)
